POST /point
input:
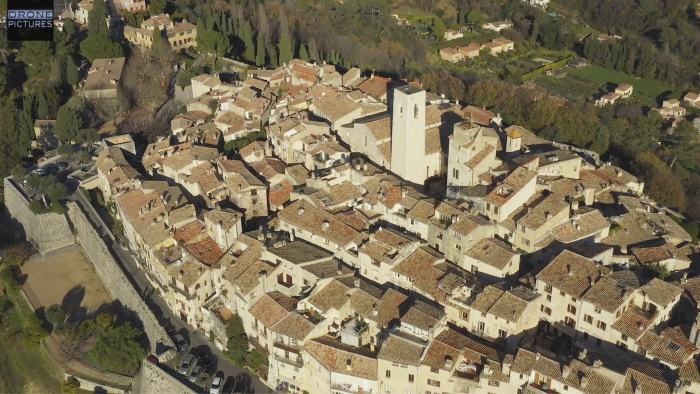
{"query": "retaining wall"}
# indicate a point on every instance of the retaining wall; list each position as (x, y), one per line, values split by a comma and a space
(48, 231)
(153, 379)
(117, 283)
(95, 387)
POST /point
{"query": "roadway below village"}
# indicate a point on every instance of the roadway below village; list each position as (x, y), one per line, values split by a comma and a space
(237, 380)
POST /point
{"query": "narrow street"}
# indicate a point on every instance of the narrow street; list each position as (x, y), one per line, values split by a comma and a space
(237, 380)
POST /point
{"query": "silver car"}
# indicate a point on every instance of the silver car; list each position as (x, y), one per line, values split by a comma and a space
(188, 363)
(216, 385)
(195, 373)
(181, 343)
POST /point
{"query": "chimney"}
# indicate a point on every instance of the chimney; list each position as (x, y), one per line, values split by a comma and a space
(569, 270)
(349, 365)
(357, 282)
(565, 371)
(403, 191)
(182, 273)
(684, 279)
(693, 337)
(574, 206)
(547, 215)
(371, 346)
(300, 211)
(220, 233)
(584, 381)
(582, 354)
(339, 270)
(262, 278)
(638, 389)
(364, 167)
(325, 225)
(537, 356)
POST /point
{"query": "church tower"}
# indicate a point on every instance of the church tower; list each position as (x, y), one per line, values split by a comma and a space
(408, 159)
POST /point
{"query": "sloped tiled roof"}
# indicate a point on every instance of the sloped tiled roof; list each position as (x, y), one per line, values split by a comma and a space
(336, 357)
(571, 273)
(271, 308)
(400, 351)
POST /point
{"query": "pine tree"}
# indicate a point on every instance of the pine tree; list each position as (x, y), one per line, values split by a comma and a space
(285, 48)
(260, 51)
(303, 53)
(631, 57)
(249, 53)
(96, 19)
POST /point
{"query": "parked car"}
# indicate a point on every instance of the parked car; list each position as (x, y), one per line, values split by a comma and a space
(195, 372)
(204, 360)
(181, 343)
(188, 363)
(216, 384)
(41, 171)
(153, 359)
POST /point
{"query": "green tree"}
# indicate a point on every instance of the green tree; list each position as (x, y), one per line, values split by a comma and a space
(659, 270)
(119, 348)
(37, 56)
(68, 124)
(18, 172)
(160, 44)
(156, 7)
(42, 109)
(70, 385)
(303, 53)
(33, 331)
(474, 19)
(104, 320)
(237, 345)
(693, 229)
(7, 276)
(54, 189)
(72, 75)
(99, 44)
(438, 28)
(55, 315)
(214, 43)
(285, 48)
(260, 53)
(247, 36)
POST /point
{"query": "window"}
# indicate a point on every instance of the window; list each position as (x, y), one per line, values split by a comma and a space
(674, 346)
(624, 337)
(457, 235)
(570, 322)
(432, 382)
(455, 173)
(502, 334)
(387, 388)
(549, 298)
(415, 115)
(642, 351)
(566, 388)
(475, 269)
(388, 374)
(597, 309)
(458, 247)
(571, 309)
(588, 319)
(411, 378)
(585, 336)
(526, 242)
(602, 325)
(548, 289)
(495, 210)
(621, 345)
(482, 326)
(434, 370)
(465, 315)
(561, 293)
(545, 310)
(493, 383)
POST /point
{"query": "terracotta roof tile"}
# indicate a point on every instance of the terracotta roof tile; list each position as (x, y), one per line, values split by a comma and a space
(491, 252)
(581, 269)
(660, 292)
(295, 326)
(634, 322)
(670, 345)
(312, 220)
(272, 307)
(400, 351)
(608, 294)
(332, 296)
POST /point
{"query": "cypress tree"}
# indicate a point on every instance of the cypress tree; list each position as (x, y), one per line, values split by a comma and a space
(260, 51)
(72, 76)
(42, 110)
(303, 53)
(249, 53)
(160, 45)
(285, 48)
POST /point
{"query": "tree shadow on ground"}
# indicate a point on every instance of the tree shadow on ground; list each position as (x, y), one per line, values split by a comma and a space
(71, 305)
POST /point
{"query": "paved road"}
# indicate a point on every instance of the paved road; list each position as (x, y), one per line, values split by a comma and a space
(242, 380)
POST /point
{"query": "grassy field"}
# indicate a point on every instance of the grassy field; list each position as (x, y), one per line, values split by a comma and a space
(646, 91)
(24, 370)
(571, 87)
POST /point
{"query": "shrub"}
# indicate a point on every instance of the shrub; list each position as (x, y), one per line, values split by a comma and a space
(55, 315)
(70, 385)
(7, 275)
(33, 331)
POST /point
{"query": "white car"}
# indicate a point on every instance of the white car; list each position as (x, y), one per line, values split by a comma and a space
(215, 387)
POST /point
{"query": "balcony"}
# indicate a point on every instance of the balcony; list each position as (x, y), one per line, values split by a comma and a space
(348, 388)
(297, 361)
(352, 332)
(312, 316)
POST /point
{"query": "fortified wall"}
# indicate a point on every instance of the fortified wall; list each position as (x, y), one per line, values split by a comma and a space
(48, 231)
(116, 282)
(152, 379)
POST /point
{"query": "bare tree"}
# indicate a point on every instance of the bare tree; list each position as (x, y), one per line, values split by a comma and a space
(107, 109)
(147, 78)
